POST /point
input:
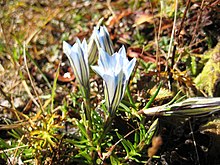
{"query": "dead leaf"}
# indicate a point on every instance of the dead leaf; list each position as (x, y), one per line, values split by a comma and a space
(142, 18)
(115, 19)
(146, 56)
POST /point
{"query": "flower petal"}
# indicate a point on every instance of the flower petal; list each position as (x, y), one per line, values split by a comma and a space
(103, 40)
(78, 57)
(129, 68)
(99, 70)
(66, 48)
(104, 60)
(118, 93)
(92, 50)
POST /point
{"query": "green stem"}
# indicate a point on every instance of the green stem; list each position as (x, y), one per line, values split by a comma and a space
(86, 97)
(106, 128)
(87, 110)
(88, 113)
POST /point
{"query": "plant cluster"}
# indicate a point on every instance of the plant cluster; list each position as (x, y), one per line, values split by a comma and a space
(95, 138)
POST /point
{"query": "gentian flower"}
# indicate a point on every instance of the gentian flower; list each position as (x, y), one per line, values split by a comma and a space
(115, 71)
(99, 39)
(78, 57)
(103, 39)
(92, 49)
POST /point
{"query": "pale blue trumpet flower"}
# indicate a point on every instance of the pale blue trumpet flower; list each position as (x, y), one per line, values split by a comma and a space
(78, 57)
(99, 39)
(103, 40)
(115, 71)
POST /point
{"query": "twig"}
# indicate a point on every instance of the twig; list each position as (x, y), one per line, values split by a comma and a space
(54, 88)
(179, 30)
(170, 46)
(29, 76)
(16, 151)
(157, 40)
(194, 143)
(114, 145)
(148, 161)
(29, 93)
(110, 7)
(176, 36)
(11, 149)
(8, 160)
(173, 33)
(183, 18)
(197, 22)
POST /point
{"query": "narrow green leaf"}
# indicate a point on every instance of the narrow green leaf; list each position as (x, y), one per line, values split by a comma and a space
(114, 160)
(124, 108)
(136, 139)
(128, 92)
(153, 97)
(54, 89)
(151, 131)
(3, 144)
(82, 129)
(123, 143)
